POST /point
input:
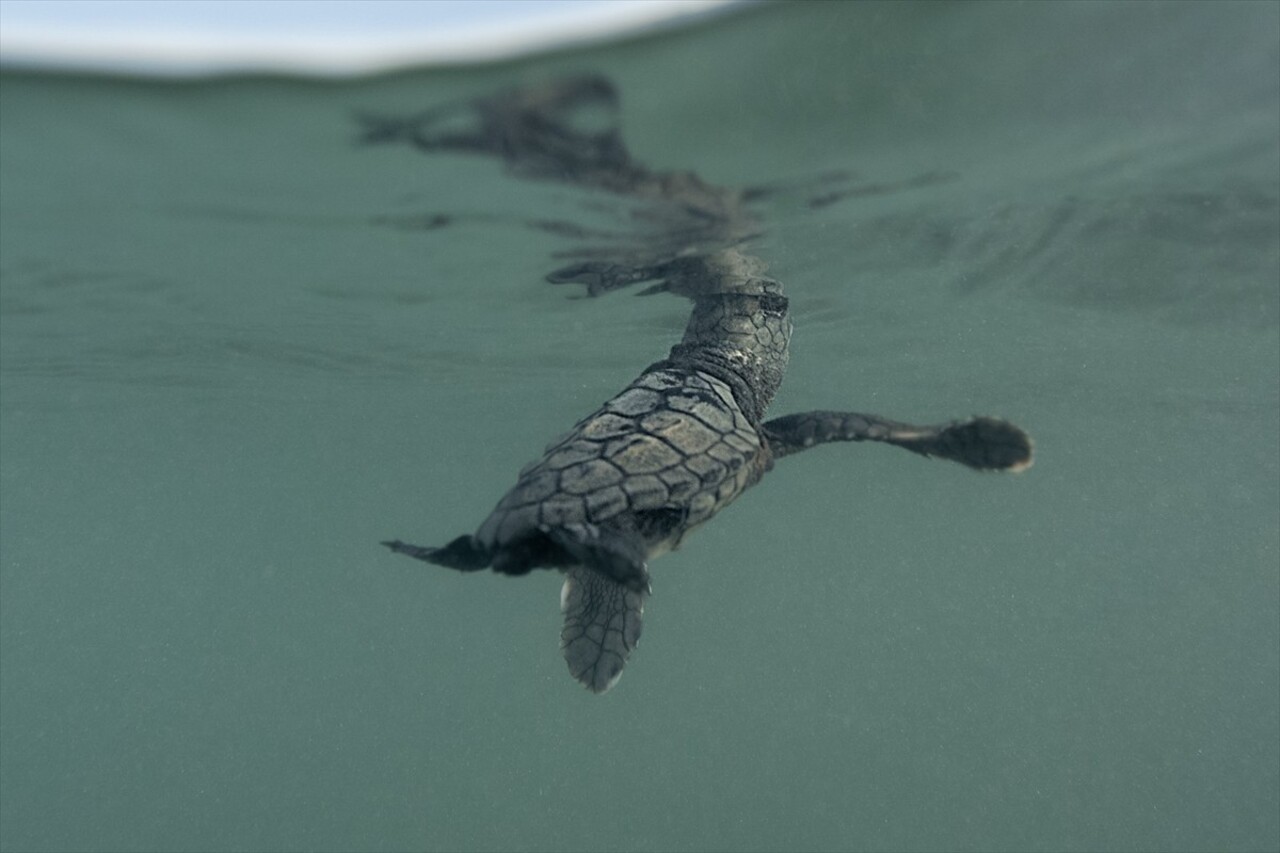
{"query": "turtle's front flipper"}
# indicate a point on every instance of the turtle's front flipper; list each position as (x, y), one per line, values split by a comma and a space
(988, 444)
(601, 627)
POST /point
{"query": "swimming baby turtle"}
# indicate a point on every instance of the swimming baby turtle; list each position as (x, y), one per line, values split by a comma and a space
(631, 480)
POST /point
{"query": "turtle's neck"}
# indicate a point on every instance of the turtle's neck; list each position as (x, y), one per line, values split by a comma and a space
(739, 331)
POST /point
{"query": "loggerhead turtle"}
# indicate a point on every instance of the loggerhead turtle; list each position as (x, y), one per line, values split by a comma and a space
(631, 480)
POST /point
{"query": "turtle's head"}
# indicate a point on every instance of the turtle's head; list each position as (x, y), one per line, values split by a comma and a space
(741, 336)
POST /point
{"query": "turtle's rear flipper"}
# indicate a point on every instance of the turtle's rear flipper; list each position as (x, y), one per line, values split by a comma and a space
(988, 444)
(601, 626)
(463, 553)
(619, 557)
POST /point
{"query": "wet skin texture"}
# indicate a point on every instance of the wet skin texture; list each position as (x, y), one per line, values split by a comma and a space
(689, 435)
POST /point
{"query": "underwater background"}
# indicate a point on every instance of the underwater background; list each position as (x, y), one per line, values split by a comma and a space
(238, 348)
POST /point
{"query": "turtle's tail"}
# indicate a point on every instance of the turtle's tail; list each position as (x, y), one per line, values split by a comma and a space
(601, 626)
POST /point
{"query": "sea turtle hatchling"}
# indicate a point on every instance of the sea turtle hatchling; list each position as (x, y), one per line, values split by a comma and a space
(631, 480)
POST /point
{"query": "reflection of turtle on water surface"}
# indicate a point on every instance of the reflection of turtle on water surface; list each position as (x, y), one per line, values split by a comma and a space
(680, 443)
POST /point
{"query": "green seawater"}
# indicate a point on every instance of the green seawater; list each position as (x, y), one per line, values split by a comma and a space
(233, 358)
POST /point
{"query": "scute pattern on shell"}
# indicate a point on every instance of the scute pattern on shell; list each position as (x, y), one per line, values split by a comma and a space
(673, 439)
